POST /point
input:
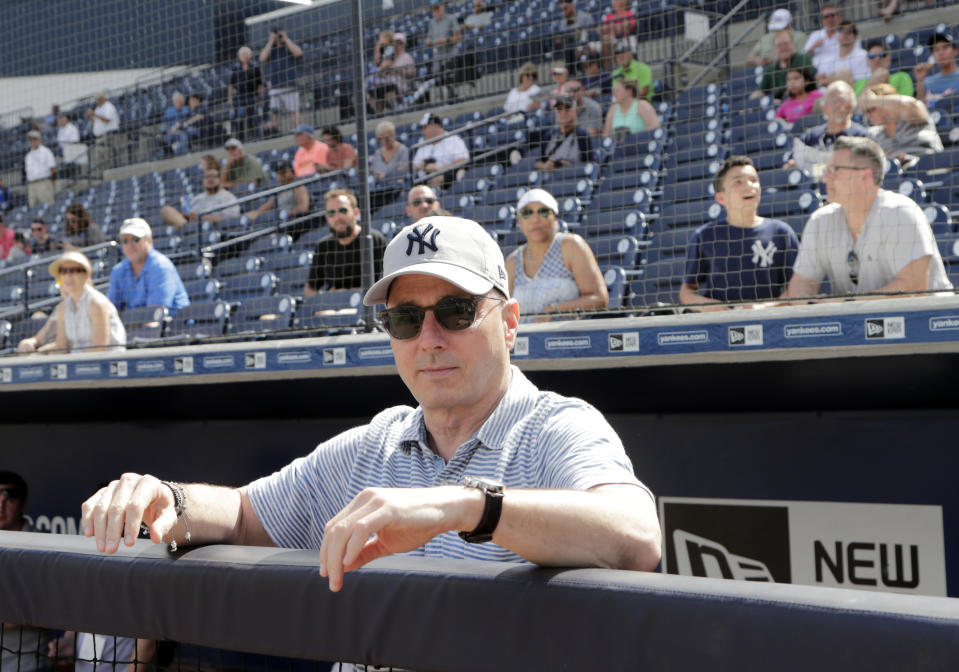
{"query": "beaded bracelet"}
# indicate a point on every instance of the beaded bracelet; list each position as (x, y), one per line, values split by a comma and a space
(179, 507)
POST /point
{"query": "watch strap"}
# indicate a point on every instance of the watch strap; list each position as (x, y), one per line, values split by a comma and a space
(492, 509)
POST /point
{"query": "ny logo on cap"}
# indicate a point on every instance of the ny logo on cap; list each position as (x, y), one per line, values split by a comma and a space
(420, 237)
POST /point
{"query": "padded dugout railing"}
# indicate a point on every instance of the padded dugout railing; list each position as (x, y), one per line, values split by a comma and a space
(465, 615)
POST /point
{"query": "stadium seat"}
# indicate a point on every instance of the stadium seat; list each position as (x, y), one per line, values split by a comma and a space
(144, 324)
(203, 289)
(335, 309)
(615, 250)
(263, 314)
(622, 222)
(615, 279)
(205, 319)
(657, 284)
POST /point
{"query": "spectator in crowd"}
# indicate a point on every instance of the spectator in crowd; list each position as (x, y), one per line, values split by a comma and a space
(186, 125)
(901, 124)
(421, 202)
(340, 155)
(866, 239)
(20, 643)
(81, 230)
(811, 152)
(764, 51)
(245, 93)
(743, 257)
(880, 61)
(589, 113)
(523, 97)
(383, 84)
(773, 82)
(46, 338)
(212, 205)
(384, 41)
(282, 56)
(438, 156)
(41, 171)
(618, 27)
(106, 132)
(176, 139)
(19, 253)
(598, 82)
(553, 272)
(6, 239)
(41, 242)
(311, 157)
(560, 81)
(4, 196)
(480, 18)
(391, 158)
(568, 143)
(145, 277)
(404, 67)
(296, 201)
(801, 96)
(823, 44)
(628, 114)
(560, 492)
(209, 161)
(93, 652)
(571, 30)
(930, 88)
(337, 261)
(442, 33)
(86, 320)
(851, 61)
(67, 132)
(240, 169)
(629, 68)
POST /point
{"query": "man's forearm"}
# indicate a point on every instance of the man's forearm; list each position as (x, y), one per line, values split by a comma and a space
(613, 526)
(219, 515)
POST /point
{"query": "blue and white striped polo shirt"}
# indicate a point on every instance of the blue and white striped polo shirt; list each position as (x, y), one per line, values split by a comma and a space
(533, 439)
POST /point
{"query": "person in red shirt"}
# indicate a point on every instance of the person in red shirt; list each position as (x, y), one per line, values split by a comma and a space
(341, 156)
(6, 239)
(618, 25)
(312, 154)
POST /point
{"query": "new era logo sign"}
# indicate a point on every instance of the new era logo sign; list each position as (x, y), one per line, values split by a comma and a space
(885, 327)
(699, 556)
(749, 334)
(624, 342)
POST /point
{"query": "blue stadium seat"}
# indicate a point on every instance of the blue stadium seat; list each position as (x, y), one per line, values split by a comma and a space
(199, 320)
(623, 222)
(203, 289)
(335, 309)
(264, 314)
(615, 250)
(615, 279)
(618, 200)
(657, 283)
(687, 213)
(779, 204)
(144, 324)
(939, 219)
(247, 286)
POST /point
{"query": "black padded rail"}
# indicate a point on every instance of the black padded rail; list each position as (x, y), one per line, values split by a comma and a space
(465, 615)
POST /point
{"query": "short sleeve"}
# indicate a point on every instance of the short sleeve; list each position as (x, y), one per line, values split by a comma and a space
(808, 264)
(696, 266)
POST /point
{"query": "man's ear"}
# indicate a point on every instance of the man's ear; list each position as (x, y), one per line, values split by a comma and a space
(511, 322)
(720, 198)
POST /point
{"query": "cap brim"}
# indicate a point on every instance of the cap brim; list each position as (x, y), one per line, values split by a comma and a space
(465, 279)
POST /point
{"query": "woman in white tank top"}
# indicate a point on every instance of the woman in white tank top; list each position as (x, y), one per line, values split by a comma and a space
(85, 318)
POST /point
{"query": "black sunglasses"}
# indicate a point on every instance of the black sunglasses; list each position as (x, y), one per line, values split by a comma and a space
(852, 261)
(342, 211)
(417, 202)
(68, 270)
(879, 55)
(129, 239)
(526, 213)
(454, 313)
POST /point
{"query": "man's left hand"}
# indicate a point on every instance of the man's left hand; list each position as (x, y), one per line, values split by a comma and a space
(383, 521)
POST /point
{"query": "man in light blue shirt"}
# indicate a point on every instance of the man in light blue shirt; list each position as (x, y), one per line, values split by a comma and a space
(146, 277)
(930, 88)
(485, 454)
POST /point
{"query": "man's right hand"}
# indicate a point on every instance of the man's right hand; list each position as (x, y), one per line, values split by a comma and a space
(921, 70)
(116, 511)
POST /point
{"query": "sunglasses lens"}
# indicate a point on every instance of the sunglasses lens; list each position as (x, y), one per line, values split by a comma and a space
(403, 322)
(455, 314)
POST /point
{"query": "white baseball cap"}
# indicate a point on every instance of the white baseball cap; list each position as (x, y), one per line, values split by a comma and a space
(538, 196)
(136, 227)
(457, 250)
(779, 19)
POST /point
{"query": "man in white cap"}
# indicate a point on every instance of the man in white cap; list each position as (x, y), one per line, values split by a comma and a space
(106, 130)
(485, 457)
(764, 52)
(41, 170)
(145, 277)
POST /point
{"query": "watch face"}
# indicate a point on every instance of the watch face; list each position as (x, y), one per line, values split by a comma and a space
(483, 484)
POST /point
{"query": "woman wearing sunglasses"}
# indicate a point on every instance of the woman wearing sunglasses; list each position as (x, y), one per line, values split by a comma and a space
(85, 318)
(553, 272)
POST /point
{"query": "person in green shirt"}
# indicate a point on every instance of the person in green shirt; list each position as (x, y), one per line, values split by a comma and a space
(787, 58)
(241, 169)
(879, 63)
(630, 68)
